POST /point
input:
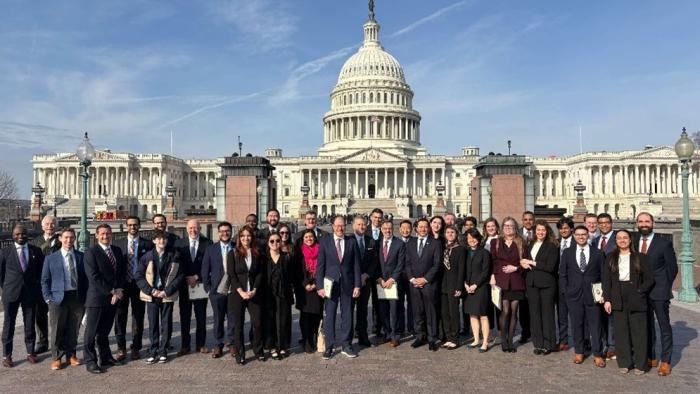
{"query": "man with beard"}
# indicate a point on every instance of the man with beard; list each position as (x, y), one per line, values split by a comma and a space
(161, 223)
(662, 259)
(273, 220)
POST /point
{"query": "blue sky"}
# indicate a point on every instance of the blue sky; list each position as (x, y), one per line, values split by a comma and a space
(483, 72)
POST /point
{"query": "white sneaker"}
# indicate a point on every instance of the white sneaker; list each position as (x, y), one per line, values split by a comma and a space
(162, 359)
(150, 360)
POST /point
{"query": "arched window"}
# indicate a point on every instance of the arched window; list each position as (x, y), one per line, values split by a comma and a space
(350, 99)
(364, 98)
(385, 97)
(371, 97)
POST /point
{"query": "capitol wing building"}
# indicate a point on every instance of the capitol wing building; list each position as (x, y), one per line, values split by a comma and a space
(371, 157)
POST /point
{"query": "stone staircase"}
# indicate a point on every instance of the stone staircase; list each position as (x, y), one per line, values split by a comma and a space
(365, 206)
(673, 207)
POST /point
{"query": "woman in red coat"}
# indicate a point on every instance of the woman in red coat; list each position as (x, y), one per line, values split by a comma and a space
(506, 252)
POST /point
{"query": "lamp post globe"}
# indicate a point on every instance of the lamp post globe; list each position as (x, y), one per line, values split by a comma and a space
(685, 149)
(85, 153)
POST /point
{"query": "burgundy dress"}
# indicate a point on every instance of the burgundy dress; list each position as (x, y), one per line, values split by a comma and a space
(513, 284)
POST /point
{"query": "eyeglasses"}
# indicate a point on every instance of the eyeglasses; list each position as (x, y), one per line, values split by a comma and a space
(284, 232)
(275, 241)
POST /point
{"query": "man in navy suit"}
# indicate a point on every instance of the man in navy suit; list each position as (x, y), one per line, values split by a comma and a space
(191, 249)
(213, 271)
(580, 268)
(20, 281)
(662, 259)
(423, 260)
(392, 251)
(64, 287)
(605, 242)
(135, 247)
(339, 261)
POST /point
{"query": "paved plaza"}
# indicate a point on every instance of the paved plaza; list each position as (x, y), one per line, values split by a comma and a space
(379, 369)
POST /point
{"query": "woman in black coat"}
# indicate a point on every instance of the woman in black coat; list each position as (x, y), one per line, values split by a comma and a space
(454, 260)
(309, 304)
(541, 264)
(245, 269)
(627, 278)
(279, 284)
(476, 285)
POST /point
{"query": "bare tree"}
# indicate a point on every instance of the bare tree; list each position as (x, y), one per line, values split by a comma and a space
(8, 186)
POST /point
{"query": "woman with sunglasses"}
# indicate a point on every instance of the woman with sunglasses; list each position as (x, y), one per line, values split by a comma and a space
(309, 304)
(286, 244)
(278, 298)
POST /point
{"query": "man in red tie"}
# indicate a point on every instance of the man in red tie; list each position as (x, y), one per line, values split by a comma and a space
(105, 267)
(20, 281)
(391, 263)
(662, 259)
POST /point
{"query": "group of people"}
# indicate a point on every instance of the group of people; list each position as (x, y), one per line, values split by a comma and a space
(436, 280)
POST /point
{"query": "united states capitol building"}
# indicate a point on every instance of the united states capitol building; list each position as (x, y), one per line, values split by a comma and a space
(372, 156)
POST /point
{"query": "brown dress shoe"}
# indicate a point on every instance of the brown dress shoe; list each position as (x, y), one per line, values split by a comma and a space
(232, 350)
(563, 347)
(610, 355)
(578, 358)
(7, 362)
(75, 361)
(121, 355)
(183, 351)
(135, 355)
(393, 343)
(216, 352)
(56, 365)
(664, 369)
(32, 358)
(204, 350)
(653, 363)
(599, 362)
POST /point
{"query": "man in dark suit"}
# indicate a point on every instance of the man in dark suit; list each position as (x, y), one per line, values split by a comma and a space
(605, 242)
(161, 223)
(376, 217)
(405, 306)
(191, 251)
(528, 219)
(391, 253)
(368, 267)
(565, 226)
(580, 268)
(105, 267)
(339, 262)
(20, 280)
(662, 259)
(310, 224)
(423, 261)
(135, 246)
(213, 274)
(273, 220)
(48, 242)
(64, 287)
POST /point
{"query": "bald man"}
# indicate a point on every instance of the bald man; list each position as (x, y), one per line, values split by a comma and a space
(191, 251)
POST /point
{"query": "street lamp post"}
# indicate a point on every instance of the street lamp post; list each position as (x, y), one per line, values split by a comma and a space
(685, 149)
(85, 154)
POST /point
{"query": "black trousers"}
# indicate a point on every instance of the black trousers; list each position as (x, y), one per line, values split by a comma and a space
(542, 317)
(237, 307)
(8, 327)
(200, 315)
(219, 306)
(97, 327)
(660, 310)
(582, 314)
(64, 323)
(562, 317)
(404, 308)
(160, 326)
(362, 309)
(425, 312)
(630, 333)
(42, 323)
(449, 309)
(524, 317)
(277, 324)
(309, 323)
(138, 309)
(377, 325)
(388, 310)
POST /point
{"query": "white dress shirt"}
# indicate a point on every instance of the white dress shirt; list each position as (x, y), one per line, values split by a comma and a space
(586, 251)
(605, 237)
(66, 269)
(342, 244)
(565, 243)
(386, 241)
(641, 240)
(24, 250)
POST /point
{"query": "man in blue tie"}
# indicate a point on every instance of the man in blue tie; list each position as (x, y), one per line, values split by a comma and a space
(339, 263)
(368, 267)
(376, 218)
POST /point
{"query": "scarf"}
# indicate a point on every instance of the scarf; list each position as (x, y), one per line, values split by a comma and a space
(447, 252)
(310, 257)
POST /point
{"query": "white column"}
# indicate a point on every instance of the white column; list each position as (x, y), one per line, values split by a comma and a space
(423, 193)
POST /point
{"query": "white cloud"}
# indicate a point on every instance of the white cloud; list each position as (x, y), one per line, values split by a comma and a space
(429, 18)
(266, 25)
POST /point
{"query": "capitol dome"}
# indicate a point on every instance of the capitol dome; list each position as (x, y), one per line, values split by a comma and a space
(371, 104)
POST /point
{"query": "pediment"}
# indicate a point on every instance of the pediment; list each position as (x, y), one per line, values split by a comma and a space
(660, 152)
(371, 155)
(99, 156)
